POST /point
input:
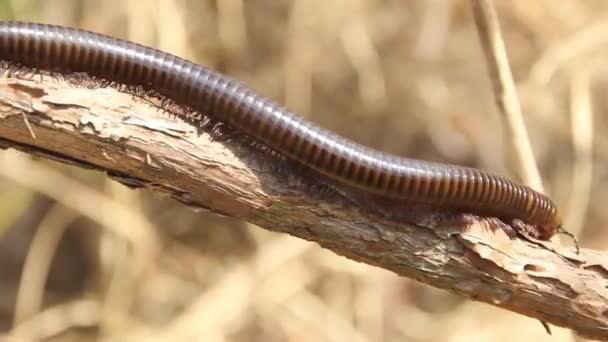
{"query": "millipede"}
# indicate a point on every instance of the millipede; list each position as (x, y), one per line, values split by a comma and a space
(69, 50)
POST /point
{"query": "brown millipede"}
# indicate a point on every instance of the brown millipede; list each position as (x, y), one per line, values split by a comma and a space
(65, 49)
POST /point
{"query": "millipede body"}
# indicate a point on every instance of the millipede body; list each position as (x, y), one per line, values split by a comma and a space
(209, 93)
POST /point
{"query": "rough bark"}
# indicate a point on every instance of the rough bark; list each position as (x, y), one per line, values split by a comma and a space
(136, 143)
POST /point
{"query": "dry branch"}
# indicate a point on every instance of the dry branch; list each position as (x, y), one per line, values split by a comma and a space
(505, 92)
(116, 132)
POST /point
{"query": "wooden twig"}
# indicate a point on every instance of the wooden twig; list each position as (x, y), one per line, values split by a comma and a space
(505, 92)
(136, 144)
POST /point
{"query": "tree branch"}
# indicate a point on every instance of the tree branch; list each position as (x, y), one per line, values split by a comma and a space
(134, 142)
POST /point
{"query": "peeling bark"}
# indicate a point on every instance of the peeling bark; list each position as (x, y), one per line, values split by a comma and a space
(139, 145)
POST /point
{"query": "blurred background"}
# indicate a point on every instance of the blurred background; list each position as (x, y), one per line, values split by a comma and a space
(407, 77)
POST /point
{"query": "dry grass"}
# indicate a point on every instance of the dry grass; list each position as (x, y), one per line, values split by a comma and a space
(407, 77)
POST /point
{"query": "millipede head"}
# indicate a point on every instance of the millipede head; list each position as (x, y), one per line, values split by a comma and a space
(550, 225)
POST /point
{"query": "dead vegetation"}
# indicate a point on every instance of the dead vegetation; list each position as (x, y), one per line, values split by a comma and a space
(407, 77)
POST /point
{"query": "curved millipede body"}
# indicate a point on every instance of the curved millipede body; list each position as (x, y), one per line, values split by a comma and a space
(208, 92)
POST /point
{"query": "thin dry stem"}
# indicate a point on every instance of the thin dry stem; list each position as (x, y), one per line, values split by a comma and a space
(488, 27)
(53, 321)
(133, 228)
(577, 44)
(232, 26)
(37, 264)
(365, 59)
